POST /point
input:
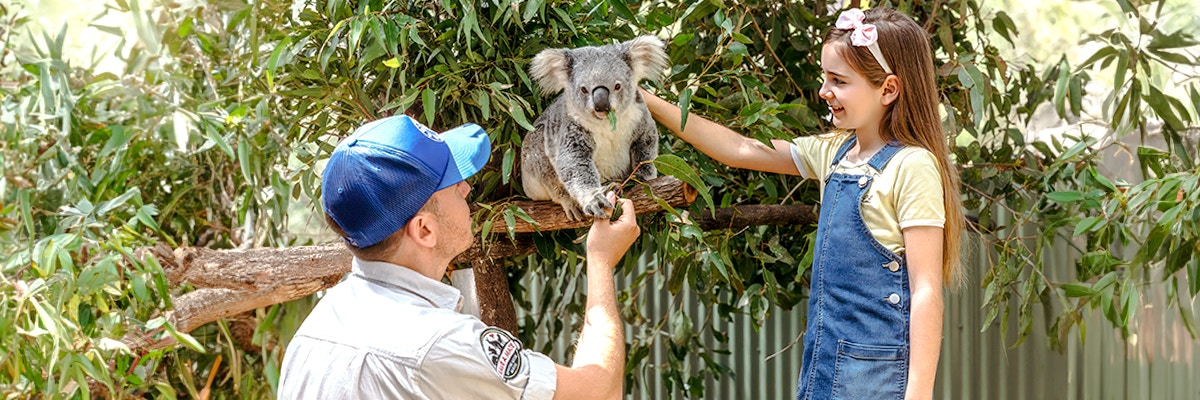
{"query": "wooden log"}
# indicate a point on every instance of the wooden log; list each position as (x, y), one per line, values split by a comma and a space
(495, 299)
(231, 282)
(742, 216)
(548, 216)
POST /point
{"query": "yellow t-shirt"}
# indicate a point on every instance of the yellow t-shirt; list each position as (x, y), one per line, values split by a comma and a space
(908, 192)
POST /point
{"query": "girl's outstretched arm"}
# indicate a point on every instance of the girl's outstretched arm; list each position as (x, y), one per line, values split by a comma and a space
(721, 143)
(923, 245)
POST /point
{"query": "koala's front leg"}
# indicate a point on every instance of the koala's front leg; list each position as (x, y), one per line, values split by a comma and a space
(574, 165)
(643, 149)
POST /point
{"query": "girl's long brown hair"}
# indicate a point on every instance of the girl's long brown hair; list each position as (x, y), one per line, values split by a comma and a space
(913, 117)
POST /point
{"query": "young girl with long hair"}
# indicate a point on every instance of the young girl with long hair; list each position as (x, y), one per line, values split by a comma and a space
(890, 216)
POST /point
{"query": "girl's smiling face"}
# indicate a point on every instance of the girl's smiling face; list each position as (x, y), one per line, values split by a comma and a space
(854, 102)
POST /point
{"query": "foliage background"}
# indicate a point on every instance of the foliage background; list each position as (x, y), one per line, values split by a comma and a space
(211, 130)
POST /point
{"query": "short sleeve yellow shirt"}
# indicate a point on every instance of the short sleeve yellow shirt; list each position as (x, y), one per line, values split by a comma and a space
(906, 193)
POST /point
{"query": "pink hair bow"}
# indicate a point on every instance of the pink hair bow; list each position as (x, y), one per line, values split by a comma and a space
(864, 34)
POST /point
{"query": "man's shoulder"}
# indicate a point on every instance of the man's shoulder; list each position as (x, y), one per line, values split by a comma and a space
(393, 327)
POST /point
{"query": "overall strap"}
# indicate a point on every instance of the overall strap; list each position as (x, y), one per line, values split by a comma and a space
(881, 157)
(844, 149)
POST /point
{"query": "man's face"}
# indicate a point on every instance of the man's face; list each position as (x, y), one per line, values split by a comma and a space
(454, 219)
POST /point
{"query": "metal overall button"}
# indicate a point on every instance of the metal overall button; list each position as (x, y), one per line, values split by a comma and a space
(892, 266)
(862, 181)
(894, 298)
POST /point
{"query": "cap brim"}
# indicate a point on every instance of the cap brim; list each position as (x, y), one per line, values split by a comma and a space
(470, 147)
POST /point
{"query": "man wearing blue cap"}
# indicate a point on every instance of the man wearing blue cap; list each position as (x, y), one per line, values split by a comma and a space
(394, 191)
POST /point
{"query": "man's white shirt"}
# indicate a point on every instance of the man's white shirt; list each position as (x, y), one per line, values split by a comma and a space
(388, 332)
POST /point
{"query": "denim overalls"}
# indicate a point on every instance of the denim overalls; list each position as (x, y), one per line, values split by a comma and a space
(856, 343)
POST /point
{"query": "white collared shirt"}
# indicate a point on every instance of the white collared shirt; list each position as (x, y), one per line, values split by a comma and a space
(388, 332)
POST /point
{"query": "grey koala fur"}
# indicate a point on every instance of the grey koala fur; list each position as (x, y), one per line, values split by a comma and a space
(573, 150)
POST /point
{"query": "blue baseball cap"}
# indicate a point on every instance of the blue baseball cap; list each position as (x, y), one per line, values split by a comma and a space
(382, 174)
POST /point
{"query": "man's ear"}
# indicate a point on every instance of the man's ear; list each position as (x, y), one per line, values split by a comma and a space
(422, 230)
(891, 89)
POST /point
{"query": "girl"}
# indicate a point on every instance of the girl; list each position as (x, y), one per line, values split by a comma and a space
(890, 216)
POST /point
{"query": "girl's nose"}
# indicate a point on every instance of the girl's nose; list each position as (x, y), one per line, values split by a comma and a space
(825, 93)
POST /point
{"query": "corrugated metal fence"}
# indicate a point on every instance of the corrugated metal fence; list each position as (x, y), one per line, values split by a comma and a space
(1160, 363)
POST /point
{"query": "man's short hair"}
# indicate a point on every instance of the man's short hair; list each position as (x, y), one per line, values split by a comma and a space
(379, 251)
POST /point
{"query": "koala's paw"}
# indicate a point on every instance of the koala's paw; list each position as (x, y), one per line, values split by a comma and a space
(573, 212)
(597, 206)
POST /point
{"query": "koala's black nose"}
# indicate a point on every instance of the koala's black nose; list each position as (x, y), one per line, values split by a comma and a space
(600, 99)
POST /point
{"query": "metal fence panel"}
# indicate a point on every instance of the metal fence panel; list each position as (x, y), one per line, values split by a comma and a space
(1159, 363)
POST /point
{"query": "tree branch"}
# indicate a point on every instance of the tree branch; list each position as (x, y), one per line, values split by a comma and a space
(231, 282)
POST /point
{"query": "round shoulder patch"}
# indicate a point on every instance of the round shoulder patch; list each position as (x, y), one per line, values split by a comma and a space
(502, 350)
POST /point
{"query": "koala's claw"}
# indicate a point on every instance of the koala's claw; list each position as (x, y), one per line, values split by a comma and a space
(573, 212)
(597, 207)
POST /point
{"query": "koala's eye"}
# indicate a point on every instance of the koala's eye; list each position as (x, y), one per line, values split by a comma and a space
(617, 87)
(583, 89)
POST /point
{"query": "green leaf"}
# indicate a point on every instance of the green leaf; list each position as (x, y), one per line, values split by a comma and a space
(1004, 26)
(1075, 93)
(510, 222)
(273, 61)
(1158, 102)
(185, 339)
(681, 326)
(1194, 276)
(1077, 290)
(507, 167)
(1105, 53)
(1104, 182)
(356, 31)
(1065, 197)
(1086, 225)
(1129, 300)
(118, 138)
(211, 134)
(518, 115)
(144, 215)
(484, 100)
(429, 102)
(138, 284)
(49, 321)
(110, 205)
(1174, 40)
(670, 164)
(623, 10)
(531, 9)
(685, 107)
(392, 63)
(1127, 7)
(1060, 87)
(243, 151)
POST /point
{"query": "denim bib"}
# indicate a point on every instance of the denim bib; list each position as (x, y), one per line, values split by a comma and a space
(856, 342)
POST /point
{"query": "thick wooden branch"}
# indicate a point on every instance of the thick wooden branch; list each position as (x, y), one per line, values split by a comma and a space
(739, 217)
(231, 282)
(550, 217)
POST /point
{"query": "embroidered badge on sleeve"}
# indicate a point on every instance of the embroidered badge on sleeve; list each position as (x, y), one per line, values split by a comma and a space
(502, 350)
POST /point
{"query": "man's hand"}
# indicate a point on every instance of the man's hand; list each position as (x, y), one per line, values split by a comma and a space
(608, 240)
(596, 372)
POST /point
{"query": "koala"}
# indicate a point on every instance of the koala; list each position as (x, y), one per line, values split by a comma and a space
(573, 150)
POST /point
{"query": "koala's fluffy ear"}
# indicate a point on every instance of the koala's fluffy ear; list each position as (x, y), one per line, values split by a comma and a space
(551, 68)
(646, 57)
